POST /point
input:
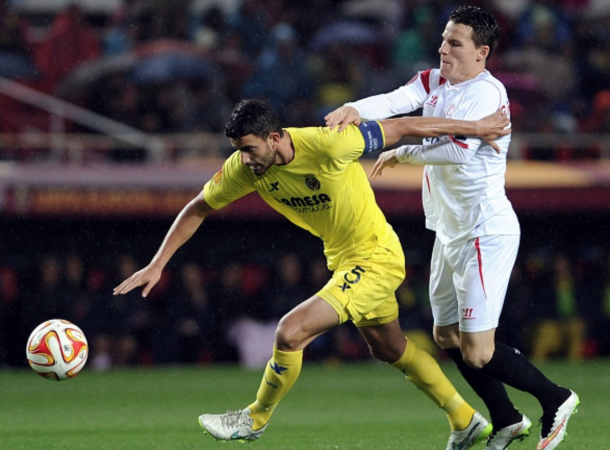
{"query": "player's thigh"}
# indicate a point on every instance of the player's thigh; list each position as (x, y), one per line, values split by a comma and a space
(482, 278)
(443, 297)
(362, 289)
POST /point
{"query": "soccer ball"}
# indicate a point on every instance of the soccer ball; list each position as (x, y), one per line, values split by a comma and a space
(57, 350)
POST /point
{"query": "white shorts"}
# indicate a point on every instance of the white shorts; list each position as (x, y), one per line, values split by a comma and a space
(468, 283)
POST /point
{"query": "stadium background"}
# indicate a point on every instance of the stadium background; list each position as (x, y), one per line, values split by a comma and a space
(86, 197)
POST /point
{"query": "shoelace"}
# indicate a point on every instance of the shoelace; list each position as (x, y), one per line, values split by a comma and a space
(233, 418)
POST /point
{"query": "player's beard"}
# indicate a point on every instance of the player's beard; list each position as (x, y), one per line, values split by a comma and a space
(261, 166)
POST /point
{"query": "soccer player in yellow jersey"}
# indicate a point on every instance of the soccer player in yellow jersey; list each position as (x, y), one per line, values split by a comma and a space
(314, 178)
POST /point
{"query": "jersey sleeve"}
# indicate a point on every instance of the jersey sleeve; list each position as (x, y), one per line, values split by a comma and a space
(404, 100)
(350, 144)
(230, 183)
(481, 100)
(440, 153)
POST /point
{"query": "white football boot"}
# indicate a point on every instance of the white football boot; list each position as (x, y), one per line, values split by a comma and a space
(555, 423)
(478, 430)
(501, 439)
(231, 426)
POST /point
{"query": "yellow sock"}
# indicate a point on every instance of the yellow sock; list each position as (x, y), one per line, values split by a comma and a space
(281, 372)
(424, 372)
(460, 416)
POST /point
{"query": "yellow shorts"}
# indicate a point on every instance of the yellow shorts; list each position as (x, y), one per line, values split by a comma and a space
(362, 289)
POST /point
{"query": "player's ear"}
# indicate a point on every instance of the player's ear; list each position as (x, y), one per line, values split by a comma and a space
(482, 52)
(273, 139)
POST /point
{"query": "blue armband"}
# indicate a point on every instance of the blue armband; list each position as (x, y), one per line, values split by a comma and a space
(373, 136)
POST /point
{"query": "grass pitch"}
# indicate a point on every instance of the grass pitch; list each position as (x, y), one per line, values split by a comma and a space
(365, 406)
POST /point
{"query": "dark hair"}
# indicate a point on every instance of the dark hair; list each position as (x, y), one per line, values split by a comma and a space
(485, 29)
(252, 117)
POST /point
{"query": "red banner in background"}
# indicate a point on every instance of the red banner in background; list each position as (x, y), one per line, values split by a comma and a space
(163, 191)
(64, 201)
(123, 202)
(127, 202)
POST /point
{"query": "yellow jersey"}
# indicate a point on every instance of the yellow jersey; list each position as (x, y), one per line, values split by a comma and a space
(324, 189)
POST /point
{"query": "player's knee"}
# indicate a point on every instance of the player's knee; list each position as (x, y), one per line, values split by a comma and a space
(476, 358)
(445, 339)
(288, 336)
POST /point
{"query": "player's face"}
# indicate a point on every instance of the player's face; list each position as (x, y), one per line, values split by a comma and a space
(256, 153)
(461, 60)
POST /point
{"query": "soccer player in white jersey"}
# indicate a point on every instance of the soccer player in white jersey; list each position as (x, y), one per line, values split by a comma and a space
(477, 231)
(313, 177)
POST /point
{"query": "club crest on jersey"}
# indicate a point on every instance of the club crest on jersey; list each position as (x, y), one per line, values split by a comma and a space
(312, 182)
(449, 111)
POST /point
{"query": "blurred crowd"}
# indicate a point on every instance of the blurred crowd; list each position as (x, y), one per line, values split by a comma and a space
(166, 67)
(169, 67)
(558, 305)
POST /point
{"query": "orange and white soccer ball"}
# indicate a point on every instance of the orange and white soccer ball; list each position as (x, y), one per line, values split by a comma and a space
(57, 350)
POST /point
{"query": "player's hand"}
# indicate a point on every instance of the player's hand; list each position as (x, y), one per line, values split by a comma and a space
(493, 127)
(386, 159)
(147, 277)
(342, 117)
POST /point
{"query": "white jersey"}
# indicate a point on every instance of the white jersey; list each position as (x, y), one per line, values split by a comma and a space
(463, 179)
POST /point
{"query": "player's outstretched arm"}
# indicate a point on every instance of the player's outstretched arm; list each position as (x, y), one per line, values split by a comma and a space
(488, 128)
(185, 225)
(342, 117)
